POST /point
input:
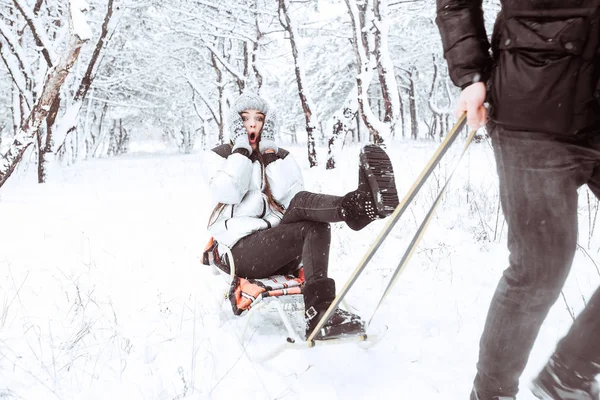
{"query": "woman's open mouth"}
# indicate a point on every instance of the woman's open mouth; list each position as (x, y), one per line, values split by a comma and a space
(252, 137)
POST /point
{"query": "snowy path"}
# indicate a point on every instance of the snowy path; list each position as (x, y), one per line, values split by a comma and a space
(102, 295)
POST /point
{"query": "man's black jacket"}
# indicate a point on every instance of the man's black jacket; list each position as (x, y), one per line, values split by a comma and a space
(545, 69)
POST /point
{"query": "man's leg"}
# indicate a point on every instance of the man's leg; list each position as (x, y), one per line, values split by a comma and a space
(577, 355)
(580, 348)
(539, 177)
(571, 371)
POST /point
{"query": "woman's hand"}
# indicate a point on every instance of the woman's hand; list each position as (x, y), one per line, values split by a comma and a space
(267, 137)
(239, 135)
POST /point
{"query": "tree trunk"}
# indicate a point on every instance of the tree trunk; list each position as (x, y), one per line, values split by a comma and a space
(431, 102)
(220, 88)
(385, 67)
(45, 144)
(358, 138)
(370, 36)
(100, 137)
(401, 114)
(412, 105)
(68, 122)
(90, 118)
(54, 80)
(259, 35)
(364, 74)
(302, 90)
(440, 112)
(343, 120)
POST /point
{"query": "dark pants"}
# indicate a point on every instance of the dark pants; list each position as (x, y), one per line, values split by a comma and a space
(303, 236)
(539, 177)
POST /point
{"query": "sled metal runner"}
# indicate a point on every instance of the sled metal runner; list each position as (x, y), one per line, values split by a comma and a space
(365, 341)
(391, 222)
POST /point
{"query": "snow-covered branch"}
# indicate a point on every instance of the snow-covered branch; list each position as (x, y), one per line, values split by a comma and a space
(384, 63)
(17, 75)
(16, 50)
(86, 81)
(68, 121)
(239, 77)
(38, 32)
(362, 38)
(206, 101)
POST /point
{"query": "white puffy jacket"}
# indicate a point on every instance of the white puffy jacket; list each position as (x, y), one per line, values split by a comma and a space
(238, 182)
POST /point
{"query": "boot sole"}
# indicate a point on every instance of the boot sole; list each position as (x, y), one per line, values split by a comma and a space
(378, 169)
(538, 390)
(540, 393)
(331, 333)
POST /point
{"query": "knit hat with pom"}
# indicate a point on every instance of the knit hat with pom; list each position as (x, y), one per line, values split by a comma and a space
(250, 101)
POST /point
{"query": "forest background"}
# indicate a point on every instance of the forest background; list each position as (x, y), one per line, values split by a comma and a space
(338, 71)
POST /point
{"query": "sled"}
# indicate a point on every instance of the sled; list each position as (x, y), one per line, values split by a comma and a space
(282, 293)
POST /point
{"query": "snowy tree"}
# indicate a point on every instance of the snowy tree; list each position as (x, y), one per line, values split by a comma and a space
(303, 92)
(370, 25)
(33, 36)
(70, 117)
(42, 106)
(219, 61)
(171, 70)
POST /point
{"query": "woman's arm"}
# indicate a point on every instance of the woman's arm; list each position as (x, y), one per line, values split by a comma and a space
(284, 175)
(228, 174)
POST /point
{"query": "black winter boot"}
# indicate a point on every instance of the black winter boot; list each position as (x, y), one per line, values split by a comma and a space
(557, 382)
(376, 196)
(318, 296)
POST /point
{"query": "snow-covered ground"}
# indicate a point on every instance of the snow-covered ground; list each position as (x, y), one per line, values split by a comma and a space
(102, 294)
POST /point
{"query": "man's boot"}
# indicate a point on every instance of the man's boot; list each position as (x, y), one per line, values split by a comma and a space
(558, 382)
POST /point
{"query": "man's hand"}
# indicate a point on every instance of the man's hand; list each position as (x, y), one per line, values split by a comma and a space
(471, 100)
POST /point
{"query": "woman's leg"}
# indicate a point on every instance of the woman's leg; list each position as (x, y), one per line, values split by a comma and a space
(264, 253)
(376, 196)
(308, 206)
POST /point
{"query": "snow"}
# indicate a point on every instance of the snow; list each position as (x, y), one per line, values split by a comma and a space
(80, 25)
(66, 123)
(102, 294)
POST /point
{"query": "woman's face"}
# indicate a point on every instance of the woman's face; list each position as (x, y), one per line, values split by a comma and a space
(253, 122)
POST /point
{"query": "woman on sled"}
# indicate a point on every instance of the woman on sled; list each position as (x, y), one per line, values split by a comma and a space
(271, 224)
